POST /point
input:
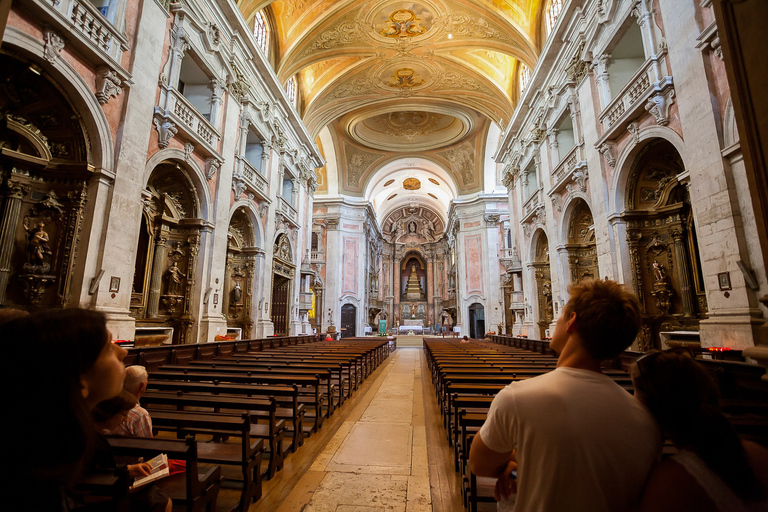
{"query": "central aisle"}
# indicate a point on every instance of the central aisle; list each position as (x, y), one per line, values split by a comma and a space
(377, 459)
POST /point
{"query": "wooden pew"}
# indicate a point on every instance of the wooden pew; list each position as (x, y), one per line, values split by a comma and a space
(191, 490)
(326, 376)
(246, 454)
(313, 398)
(272, 430)
(287, 397)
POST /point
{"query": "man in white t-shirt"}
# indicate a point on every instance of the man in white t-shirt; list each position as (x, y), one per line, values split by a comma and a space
(578, 441)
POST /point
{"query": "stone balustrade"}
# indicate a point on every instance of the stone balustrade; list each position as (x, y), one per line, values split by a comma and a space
(191, 122)
(84, 28)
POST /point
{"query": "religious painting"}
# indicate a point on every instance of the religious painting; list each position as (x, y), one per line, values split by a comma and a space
(411, 184)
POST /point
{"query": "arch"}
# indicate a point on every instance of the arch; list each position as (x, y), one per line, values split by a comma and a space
(538, 231)
(476, 316)
(101, 152)
(570, 205)
(616, 199)
(191, 170)
(253, 215)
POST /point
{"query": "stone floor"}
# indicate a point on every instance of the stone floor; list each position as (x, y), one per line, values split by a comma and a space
(377, 459)
(384, 449)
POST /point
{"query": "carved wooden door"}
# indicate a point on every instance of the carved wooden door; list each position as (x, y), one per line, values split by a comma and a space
(280, 287)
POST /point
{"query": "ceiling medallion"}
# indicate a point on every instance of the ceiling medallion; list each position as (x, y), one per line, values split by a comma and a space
(403, 23)
(405, 78)
(411, 184)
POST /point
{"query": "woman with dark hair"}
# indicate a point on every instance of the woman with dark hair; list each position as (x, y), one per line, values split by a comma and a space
(713, 470)
(59, 365)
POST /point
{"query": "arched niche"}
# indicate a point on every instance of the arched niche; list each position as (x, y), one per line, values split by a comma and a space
(45, 170)
(663, 249)
(283, 271)
(580, 243)
(240, 274)
(543, 280)
(167, 254)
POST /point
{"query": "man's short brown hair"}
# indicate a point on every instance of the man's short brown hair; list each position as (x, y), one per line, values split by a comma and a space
(607, 316)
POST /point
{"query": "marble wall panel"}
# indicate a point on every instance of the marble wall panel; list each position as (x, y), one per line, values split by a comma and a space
(349, 273)
(474, 263)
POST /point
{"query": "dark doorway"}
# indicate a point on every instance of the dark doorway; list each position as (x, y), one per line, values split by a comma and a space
(476, 321)
(348, 314)
(280, 286)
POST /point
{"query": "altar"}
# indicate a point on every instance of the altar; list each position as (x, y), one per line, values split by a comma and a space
(415, 325)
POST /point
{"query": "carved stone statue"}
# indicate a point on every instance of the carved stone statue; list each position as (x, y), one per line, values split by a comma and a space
(659, 276)
(38, 248)
(174, 276)
(411, 227)
(237, 293)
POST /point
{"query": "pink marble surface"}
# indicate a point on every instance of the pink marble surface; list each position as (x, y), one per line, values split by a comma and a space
(473, 257)
(349, 272)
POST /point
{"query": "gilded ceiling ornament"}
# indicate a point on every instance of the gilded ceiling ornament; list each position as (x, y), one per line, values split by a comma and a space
(408, 125)
(353, 87)
(411, 184)
(461, 159)
(403, 23)
(462, 24)
(434, 181)
(405, 78)
(343, 34)
(357, 163)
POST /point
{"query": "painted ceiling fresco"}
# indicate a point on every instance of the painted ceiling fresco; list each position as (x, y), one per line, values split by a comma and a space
(394, 79)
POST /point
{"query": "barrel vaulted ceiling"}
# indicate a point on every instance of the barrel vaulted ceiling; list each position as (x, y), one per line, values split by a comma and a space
(396, 81)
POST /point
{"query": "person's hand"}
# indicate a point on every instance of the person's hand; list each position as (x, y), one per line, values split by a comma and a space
(139, 470)
(505, 484)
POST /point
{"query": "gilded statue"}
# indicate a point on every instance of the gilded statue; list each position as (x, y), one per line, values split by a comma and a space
(237, 293)
(174, 276)
(38, 246)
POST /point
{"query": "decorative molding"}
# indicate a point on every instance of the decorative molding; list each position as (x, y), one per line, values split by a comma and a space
(492, 219)
(608, 150)
(658, 106)
(108, 84)
(165, 130)
(239, 186)
(189, 148)
(634, 129)
(54, 43)
(212, 166)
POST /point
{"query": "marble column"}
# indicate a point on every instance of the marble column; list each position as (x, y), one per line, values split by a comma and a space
(156, 281)
(396, 291)
(683, 272)
(429, 321)
(8, 225)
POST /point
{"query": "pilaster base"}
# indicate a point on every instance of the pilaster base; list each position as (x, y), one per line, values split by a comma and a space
(210, 327)
(264, 328)
(735, 331)
(120, 324)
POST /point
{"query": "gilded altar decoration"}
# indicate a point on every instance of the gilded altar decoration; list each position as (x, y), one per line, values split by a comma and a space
(411, 184)
(405, 78)
(403, 23)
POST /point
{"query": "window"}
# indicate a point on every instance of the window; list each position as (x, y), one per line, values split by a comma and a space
(553, 11)
(261, 31)
(525, 76)
(290, 90)
(253, 149)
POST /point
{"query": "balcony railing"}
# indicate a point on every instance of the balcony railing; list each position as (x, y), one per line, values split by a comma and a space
(565, 167)
(191, 122)
(630, 101)
(287, 210)
(85, 29)
(254, 178)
